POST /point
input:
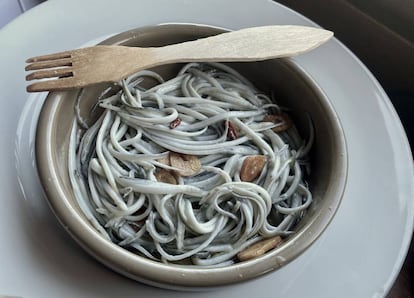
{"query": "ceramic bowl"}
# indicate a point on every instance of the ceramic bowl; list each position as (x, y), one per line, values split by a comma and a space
(292, 86)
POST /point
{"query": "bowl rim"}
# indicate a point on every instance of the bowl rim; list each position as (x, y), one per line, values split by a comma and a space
(180, 276)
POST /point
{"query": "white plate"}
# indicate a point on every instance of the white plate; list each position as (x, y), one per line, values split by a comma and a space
(360, 253)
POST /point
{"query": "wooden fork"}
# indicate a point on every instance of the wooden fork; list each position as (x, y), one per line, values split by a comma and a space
(98, 64)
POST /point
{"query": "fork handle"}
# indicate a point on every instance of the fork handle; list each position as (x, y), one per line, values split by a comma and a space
(87, 66)
(250, 44)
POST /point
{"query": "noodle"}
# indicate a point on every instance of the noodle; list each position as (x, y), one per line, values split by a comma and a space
(163, 171)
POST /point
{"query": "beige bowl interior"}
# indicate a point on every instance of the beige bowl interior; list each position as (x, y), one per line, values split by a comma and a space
(293, 89)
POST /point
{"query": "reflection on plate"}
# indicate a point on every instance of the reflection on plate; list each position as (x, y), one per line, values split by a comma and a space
(24, 151)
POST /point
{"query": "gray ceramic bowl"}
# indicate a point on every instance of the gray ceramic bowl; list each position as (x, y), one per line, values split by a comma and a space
(292, 86)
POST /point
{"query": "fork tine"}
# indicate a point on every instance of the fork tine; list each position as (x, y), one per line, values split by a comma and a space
(50, 73)
(52, 85)
(49, 64)
(54, 56)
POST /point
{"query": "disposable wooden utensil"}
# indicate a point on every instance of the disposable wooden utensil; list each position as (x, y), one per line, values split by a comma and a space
(98, 64)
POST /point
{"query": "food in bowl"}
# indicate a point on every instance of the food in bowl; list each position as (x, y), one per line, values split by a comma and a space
(284, 79)
(194, 169)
